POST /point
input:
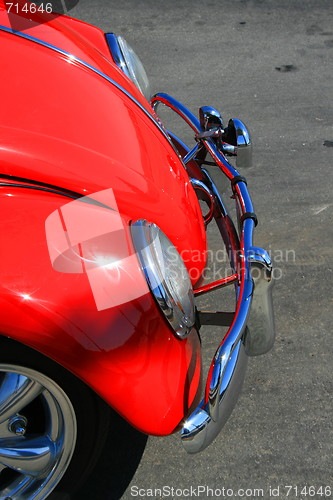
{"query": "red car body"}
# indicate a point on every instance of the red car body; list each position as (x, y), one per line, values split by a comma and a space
(67, 136)
(75, 128)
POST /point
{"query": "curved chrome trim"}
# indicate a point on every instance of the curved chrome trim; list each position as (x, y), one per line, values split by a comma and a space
(225, 351)
(206, 195)
(73, 59)
(79, 61)
(178, 107)
(200, 429)
(116, 53)
(129, 62)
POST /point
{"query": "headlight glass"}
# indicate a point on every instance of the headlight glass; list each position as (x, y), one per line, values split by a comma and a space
(166, 275)
(125, 57)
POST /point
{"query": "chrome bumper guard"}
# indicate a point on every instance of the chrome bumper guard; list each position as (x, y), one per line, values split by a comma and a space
(251, 326)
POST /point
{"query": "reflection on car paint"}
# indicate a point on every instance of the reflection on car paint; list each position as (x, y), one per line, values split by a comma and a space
(88, 237)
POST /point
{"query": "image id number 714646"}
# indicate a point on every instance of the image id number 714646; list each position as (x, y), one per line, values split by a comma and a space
(308, 491)
(28, 8)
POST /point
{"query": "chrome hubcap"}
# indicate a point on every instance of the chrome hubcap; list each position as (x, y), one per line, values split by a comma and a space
(37, 433)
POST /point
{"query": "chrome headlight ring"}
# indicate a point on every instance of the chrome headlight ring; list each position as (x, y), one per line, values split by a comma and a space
(166, 275)
(128, 61)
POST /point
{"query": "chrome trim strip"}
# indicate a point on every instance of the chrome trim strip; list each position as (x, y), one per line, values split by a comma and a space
(200, 429)
(225, 351)
(116, 53)
(178, 107)
(206, 195)
(92, 68)
(72, 58)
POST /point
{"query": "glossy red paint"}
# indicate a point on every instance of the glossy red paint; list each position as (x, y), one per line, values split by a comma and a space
(125, 353)
(64, 125)
(70, 135)
(83, 40)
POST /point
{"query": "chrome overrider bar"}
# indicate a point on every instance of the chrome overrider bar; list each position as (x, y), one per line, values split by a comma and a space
(251, 330)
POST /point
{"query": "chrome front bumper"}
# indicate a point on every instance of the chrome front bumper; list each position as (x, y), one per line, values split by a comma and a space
(251, 326)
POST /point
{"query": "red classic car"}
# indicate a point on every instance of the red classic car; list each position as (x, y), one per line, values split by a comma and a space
(104, 251)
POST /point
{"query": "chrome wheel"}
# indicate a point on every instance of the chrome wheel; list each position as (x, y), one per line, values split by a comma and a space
(37, 433)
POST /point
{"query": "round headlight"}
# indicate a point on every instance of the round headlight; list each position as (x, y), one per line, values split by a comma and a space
(125, 57)
(166, 275)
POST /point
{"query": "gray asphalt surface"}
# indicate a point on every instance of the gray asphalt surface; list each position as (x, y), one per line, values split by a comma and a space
(269, 63)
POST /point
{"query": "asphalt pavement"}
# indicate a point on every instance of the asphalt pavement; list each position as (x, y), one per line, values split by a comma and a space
(269, 63)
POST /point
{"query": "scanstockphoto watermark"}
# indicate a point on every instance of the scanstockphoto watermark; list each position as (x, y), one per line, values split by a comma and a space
(203, 491)
(220, 263)
(294, 492)
(25, 14)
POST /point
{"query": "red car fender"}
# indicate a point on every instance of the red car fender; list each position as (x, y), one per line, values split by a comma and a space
(126, 353)
(66, 126)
